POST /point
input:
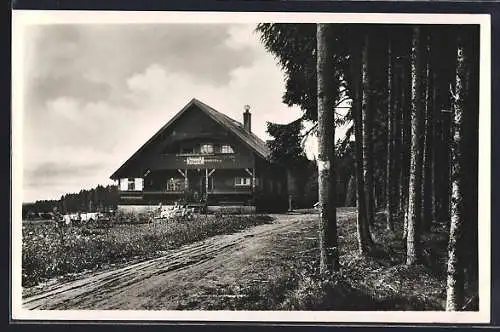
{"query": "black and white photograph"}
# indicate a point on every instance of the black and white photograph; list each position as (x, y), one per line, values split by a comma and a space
(294, 167)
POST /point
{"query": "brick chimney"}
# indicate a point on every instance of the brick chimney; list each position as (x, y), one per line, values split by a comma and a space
(247, 119)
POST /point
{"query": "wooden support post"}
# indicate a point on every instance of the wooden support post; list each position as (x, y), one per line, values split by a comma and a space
(185, 175)
(206, 181)
(253, 179)
(186, 183)
(252, 174)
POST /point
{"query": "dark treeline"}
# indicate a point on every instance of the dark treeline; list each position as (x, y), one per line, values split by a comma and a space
(97, 199)
(414, 116)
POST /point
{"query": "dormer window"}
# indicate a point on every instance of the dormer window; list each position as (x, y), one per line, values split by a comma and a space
(226, 149)
(207, 149)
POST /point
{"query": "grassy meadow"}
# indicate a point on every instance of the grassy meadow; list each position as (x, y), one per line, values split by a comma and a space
(47, 253)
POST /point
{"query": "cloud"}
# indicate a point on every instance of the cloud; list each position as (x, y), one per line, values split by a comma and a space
(90, 62)
(133, 79)
(53, 172)
(57, 170)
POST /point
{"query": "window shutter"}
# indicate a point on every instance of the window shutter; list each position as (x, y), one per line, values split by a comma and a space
(124, 184)
(139, 183)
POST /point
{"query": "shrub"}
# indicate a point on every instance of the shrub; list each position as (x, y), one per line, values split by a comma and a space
(132, 217)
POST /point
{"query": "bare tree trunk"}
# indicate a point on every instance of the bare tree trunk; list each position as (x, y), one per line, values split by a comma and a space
(414, 197)
(405, 143)
(367, 131)
(426, 211)
(350, 197)
(396, 97)
(434, 153)
(455, 280)
(363, 230)
(390, 174)
(470, 158)
(405, 161)
(329, 259)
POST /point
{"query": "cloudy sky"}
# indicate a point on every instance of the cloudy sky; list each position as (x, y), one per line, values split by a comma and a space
(95, 93)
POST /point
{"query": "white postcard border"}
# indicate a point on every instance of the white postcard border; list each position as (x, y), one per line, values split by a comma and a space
(23, 18)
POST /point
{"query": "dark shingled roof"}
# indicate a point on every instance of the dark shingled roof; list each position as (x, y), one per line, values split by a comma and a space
(249, 138)
(237, 128)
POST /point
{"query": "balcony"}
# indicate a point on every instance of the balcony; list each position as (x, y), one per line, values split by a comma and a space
(198, 160)
(234, 191)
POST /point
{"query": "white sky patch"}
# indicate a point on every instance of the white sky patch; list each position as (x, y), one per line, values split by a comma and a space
(88, 130)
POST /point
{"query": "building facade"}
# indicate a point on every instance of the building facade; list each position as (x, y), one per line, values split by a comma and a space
(203, 158)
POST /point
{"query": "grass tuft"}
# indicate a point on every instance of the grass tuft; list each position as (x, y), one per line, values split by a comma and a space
(378, 281)
(46, 254)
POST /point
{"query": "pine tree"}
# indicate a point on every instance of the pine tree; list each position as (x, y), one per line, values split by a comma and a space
(414, 190)
(367, 130)
(426, 191)
(329, 255)
(363, 230)
(390, 173)
(455, 280)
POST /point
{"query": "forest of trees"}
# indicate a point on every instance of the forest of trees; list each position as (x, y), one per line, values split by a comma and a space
(414, 116)
(97, 199)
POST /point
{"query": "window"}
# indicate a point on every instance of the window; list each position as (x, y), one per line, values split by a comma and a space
(131, 184)
(207, 149)
(123, 184)
(175, 184)
(239, 181)
(139, 184)
(226, 149)
(187, 150)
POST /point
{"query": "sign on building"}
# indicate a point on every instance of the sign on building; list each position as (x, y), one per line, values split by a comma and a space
(195, 160)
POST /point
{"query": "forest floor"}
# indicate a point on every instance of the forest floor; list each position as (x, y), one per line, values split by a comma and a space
(267, 267)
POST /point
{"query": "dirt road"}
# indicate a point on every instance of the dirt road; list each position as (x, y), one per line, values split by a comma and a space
(198, 269)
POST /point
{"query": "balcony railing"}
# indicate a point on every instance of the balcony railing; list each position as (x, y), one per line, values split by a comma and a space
(237, 190)
(199, 160)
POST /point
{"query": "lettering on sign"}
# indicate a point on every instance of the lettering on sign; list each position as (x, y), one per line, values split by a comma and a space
(195, 160)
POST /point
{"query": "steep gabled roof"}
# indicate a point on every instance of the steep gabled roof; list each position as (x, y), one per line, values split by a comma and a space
(237, 128)
(248, 138)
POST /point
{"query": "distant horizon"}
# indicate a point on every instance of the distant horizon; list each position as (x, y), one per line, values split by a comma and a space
(68, 193)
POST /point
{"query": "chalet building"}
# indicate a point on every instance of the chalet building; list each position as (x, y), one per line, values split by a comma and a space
(202, 157)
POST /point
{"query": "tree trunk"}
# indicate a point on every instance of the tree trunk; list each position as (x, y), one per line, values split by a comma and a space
(390, 174)
(350, 197)
(396, 97)
(363, 230)
(435, 139)
(405, 155)
(443, 166)
(426, 212)
(470, 158)
(455, 279)
(405, 142)
(367, 131)
(414, 191)
(329, 259)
